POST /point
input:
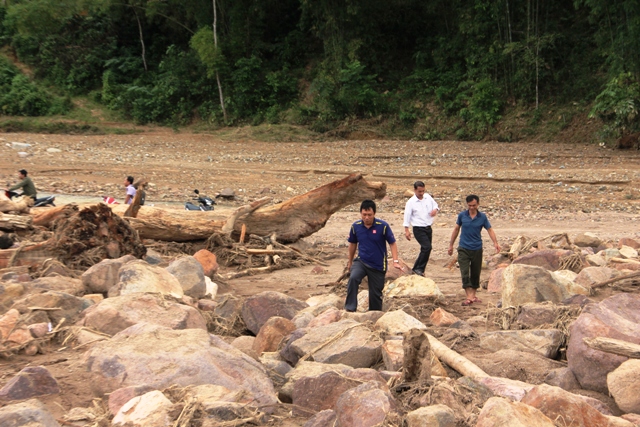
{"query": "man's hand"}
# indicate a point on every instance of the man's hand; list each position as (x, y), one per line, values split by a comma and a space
(450, 251)
(397, 265)
(407, 234)
(497, 246)
(434, 212)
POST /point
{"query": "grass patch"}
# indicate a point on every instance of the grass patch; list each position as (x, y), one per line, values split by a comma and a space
(263, 132)
(48, 126)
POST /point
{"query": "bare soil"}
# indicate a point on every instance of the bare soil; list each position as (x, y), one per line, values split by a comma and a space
(530, 189)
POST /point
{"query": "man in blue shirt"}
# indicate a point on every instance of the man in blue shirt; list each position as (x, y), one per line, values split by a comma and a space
(472, 221)
(369, 236)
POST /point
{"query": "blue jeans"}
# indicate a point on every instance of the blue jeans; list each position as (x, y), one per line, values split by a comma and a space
(376, 284)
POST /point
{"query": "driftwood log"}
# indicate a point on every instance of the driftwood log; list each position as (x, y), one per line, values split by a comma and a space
(15, 222)
(20, 204)
(290, 220)
(611, 345)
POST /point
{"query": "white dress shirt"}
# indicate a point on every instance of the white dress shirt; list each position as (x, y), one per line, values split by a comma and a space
(417, 212)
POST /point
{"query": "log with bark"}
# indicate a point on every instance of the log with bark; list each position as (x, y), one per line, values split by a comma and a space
(20, 204)
(15, 222)
(290, 220)
(611, 345)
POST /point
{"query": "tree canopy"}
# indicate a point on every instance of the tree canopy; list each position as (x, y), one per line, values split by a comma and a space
(319, 62)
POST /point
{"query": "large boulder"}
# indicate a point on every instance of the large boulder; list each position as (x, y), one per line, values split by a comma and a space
(307, 369)
(431, 416)
(67, 285)
(413, 286)
(160, 357)
(190, 274)
(31, 413)
(346, 341)
(397, 323)
(567, 279)
(102, 276)
(272, 334)
(573, 410)
(592, 275)
(616, 317)
(140, 276)
(367, 405)
(587, 239)
(624, 385)
(525, 283)
(30, 382)
(548, 259)
(316, 393)
(113, 315)
(500, 412)
(259, 308)
(543, 341)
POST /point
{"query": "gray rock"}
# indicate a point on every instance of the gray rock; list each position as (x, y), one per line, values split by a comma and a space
(502, 412)
(104, 275)
(592, 275)
(307, 369)
(543, 341)
(190, 274)
(70, 306)
(524, 283)
(548, 259)
(587, 240)
(349, 342)
(160, 357)
(624, 385)
(63, 284)
(31, 381)
(563, 378)
(31, 413)
(529, 367)
(367, 405)
(113, 315)
(431, 416)
(138, 276)
(326, 418)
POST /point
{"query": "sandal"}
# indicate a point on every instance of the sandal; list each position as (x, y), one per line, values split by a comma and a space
(467, 302)
(476, 299)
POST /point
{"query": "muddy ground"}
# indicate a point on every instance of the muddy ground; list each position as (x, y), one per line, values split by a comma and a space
(530, 189)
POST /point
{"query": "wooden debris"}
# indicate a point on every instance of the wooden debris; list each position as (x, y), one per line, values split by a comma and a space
(617, 279)
(15, 222)
(611, 345)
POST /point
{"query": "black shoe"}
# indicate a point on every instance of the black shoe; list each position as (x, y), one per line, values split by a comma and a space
(419, 273)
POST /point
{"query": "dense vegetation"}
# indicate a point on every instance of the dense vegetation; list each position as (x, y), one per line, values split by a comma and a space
(322, 62)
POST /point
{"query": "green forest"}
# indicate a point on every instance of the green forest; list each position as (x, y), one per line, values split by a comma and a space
(419, 69)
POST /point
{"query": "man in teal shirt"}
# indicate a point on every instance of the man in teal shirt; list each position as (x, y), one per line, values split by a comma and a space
(471, 221)
(28, 188)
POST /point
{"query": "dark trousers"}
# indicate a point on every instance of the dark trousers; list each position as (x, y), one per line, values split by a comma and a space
(470, 263)
(376, 284)
(423, 235)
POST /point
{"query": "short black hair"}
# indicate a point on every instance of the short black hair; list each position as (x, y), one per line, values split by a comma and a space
(418, 184)
(471, 197)
(23, 172)
(130, 179)
(368, 204)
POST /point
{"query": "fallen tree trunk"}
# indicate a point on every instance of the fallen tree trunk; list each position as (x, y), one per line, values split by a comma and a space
(454, 360)
(291, 220)
(45, 217)
(20, 204)
(15, 222)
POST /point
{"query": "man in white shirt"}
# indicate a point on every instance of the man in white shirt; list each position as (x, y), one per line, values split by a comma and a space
(419, 212)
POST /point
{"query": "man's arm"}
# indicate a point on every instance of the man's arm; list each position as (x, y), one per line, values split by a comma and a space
(454, 236)
(407, 220)
(127, 198)
(434, 205)
(21, 184)
(352, 253)
(394, 254)
(492, 234)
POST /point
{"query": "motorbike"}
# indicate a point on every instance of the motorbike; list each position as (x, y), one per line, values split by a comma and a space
(205, 203)
(42, 201)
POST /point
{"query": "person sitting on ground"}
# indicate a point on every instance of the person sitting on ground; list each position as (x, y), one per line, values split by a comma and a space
(131, 191)
(26, 184)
